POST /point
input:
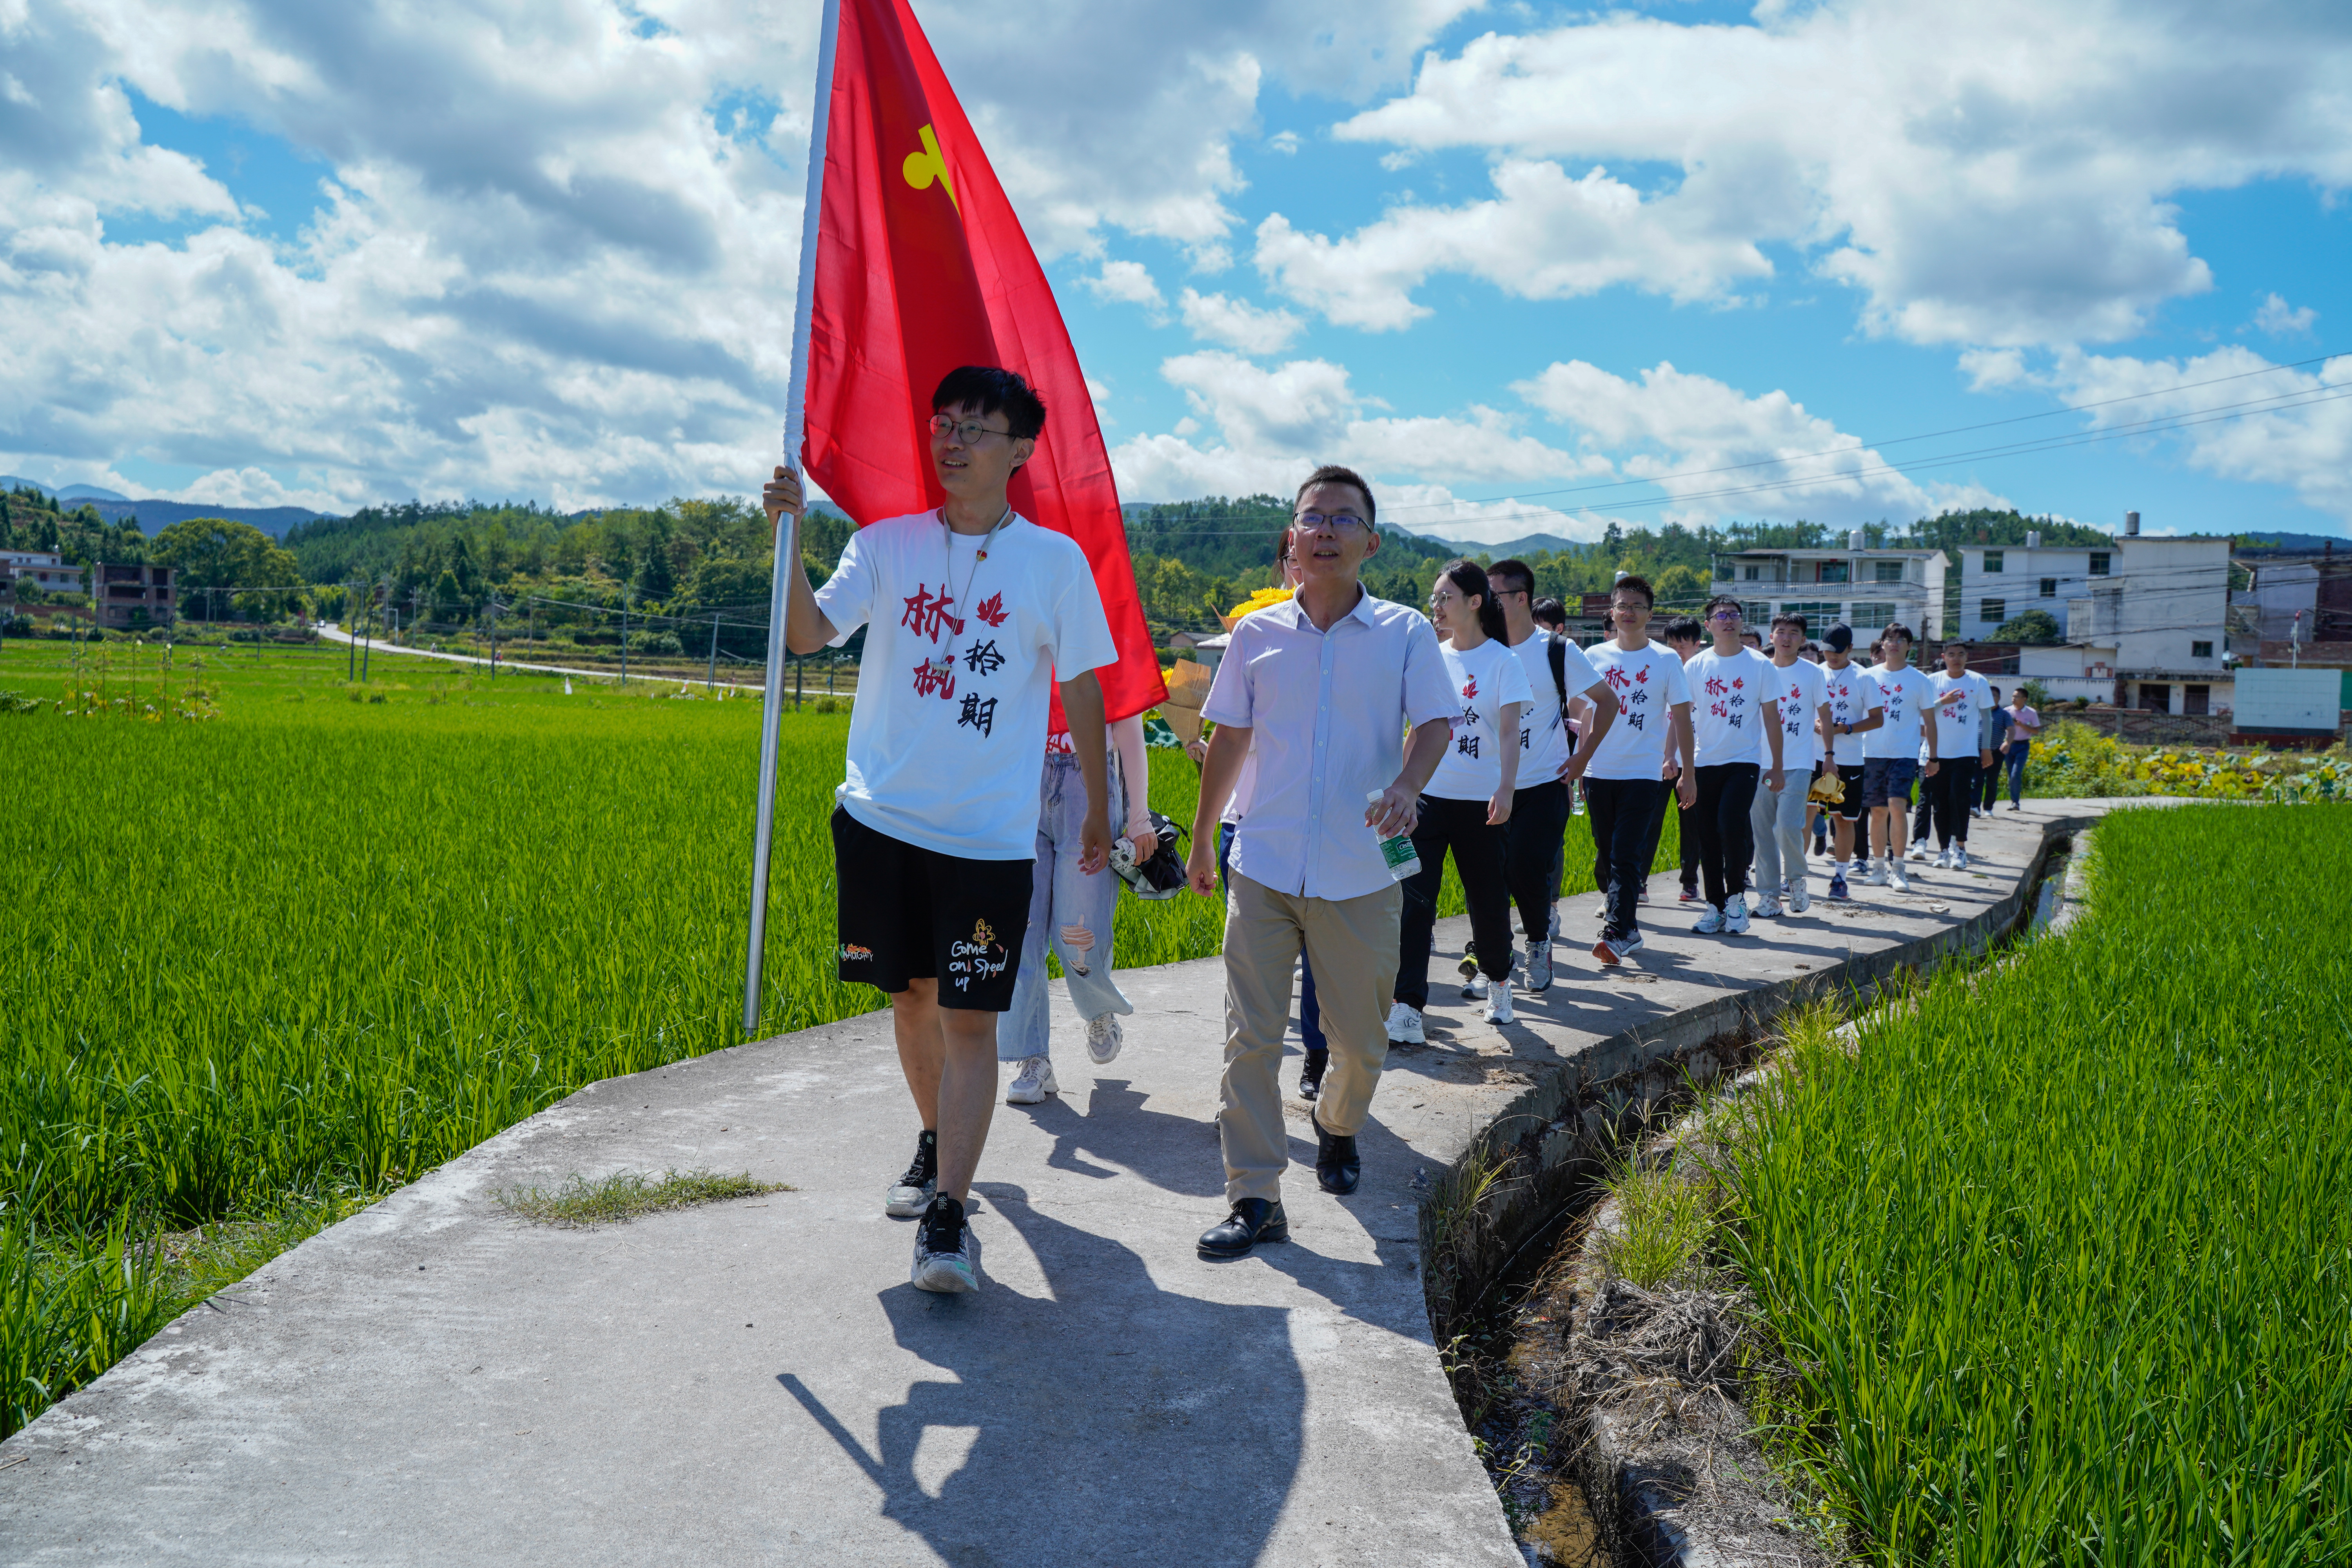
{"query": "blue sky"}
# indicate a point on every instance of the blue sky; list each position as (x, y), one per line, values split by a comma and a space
(255, 253)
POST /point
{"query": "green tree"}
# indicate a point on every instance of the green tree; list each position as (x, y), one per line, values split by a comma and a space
(212, 553)
(448, 598)
(2030, 626)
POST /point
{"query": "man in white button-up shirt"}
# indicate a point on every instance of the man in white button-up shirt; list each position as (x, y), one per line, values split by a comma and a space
(1326, 686)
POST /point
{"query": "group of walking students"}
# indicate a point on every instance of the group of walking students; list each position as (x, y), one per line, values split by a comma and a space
(1357, 745)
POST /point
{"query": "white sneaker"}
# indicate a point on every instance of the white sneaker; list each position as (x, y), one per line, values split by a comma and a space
(1734, 916)
(1901, 878)
(1710, 922)
(1405, 1026)
(1876, 877)
(1032, 1083)
(1800, 901)
(1539, 966)
(1918, 850)
(1768, 906)
(1104, 1037)
(1474, 988)
(1944, 860)
(1553, 934)
(1497, 1009)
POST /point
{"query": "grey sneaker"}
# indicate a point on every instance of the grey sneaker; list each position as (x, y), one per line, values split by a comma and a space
(1539, 966)
(912, 1193)
(1033, 1082)
(1497, 1009)
(947, 1254)
(1104, 1037)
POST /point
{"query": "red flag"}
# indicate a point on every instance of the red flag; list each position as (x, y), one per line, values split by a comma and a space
(921, 267)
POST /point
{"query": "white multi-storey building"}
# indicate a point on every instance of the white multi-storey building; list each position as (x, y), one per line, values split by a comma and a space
(2143, 619)
(43, 569)
(1867, 589)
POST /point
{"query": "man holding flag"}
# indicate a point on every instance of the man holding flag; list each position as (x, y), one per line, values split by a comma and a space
(973, 610)
(992, 561)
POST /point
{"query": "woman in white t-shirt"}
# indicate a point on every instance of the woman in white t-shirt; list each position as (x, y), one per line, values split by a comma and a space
(1468, 798)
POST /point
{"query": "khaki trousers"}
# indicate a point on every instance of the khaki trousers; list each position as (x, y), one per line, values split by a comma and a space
(1354, 941)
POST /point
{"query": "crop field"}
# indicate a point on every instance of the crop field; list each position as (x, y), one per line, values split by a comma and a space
(273, 960)
(2061, 1257)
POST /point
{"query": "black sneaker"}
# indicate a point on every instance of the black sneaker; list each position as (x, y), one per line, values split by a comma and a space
(1310, 1076)
(912, 1194)
(946, 1254)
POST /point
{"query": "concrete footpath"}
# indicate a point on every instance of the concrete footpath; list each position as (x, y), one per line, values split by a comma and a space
(434, 1381)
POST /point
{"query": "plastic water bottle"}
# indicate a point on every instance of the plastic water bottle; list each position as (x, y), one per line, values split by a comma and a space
(1403, 859)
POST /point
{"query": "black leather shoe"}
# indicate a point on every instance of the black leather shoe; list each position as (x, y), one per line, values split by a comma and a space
(1338, 1168)
(1252, 1220)
(1310, 1076)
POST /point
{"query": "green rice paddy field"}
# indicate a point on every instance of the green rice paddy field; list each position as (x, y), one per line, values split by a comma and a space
(269, 963)
(2061, 1258)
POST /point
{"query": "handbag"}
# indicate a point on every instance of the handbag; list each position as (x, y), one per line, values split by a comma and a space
(1162, 875)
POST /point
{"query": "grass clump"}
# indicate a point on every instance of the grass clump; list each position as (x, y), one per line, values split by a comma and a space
(629, 1194)
(1667, 1218)
(2060, 1263)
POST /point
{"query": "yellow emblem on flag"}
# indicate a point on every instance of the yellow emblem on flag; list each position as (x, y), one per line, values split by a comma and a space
(921, 168)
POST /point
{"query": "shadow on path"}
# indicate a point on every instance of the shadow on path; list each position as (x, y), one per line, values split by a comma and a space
(1108, 1413)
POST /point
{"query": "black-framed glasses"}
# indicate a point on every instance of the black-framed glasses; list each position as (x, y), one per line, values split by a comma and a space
(1725, 616)
(968, 431)
(1336, 521)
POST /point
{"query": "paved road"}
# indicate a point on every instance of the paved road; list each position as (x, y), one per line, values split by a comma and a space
(333, 633)
(434, 1381)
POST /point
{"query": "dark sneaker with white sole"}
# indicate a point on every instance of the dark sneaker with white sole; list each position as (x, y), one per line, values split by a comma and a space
(947, 1254)
(911, 1195)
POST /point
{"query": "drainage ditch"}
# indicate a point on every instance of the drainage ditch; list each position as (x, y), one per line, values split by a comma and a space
(1504, 1231)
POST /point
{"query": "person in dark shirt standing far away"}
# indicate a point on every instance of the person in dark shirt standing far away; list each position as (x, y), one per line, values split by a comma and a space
(1551, 758)
(1623, 790)
(973, 611)
(1325, 685)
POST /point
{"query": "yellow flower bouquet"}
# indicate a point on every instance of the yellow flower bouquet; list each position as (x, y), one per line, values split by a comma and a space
(1253, 604)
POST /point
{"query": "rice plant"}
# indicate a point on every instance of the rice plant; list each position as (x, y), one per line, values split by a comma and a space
(2062, 1257)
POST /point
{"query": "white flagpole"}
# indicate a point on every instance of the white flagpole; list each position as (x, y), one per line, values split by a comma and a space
(788, 541)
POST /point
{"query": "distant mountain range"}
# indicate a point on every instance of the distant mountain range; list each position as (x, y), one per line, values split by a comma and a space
(156, 515)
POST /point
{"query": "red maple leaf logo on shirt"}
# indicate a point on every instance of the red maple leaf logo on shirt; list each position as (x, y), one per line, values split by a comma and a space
(1470, 688)
(991, 610)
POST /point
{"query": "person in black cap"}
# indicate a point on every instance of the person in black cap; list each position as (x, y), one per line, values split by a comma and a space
(1855, 707)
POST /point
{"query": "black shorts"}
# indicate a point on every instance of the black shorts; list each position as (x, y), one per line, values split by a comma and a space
(1851, 806)
(908, 914)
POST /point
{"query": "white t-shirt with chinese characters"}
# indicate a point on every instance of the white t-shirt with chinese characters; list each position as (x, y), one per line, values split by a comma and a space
(1486, 679)
(1852, 693)
(1798, 690)
(1544, 738)
(944, 756)
(1957, 722)
(1648, 682)
(1728, 696)
(1905, 694)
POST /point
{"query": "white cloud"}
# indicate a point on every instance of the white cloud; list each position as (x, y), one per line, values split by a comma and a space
(2301, 440)
(1237, 324)
(1994, 175)
(554, 257)
(1275, 426)
(2280, 320)
(1719, 454)
(1127, 281)
(1544, 237)
(1283, 141)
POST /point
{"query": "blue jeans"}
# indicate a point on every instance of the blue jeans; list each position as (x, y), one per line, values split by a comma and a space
(1310, 1012)
(1060, 894)
(2016, 761)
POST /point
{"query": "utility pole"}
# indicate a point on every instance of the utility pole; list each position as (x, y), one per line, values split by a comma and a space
(710, 681)
(368, 633)
(493, 636)
(628, 597)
